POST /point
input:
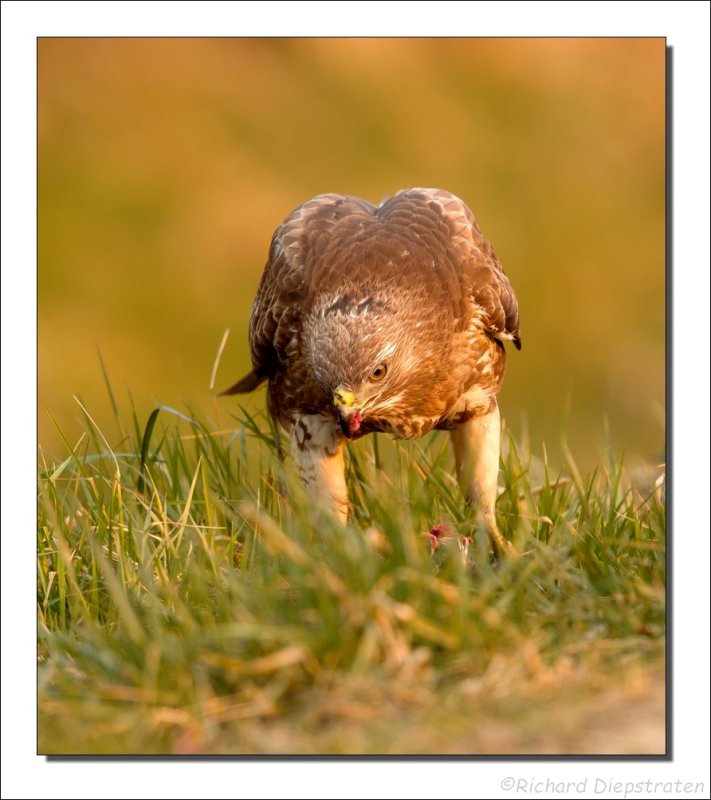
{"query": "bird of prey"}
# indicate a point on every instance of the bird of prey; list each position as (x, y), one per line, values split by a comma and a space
(387, 318)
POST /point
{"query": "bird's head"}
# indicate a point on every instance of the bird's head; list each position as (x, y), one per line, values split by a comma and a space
(350, 407)
(360, 350)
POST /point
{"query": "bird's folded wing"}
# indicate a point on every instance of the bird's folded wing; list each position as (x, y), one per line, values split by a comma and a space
(495, 301)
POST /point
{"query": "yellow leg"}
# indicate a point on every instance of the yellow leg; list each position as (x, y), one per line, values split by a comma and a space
(476, 444)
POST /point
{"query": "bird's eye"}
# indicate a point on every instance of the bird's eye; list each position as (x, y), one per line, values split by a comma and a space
(378, 373)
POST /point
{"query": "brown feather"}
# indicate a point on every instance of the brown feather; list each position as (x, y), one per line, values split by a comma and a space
(344, 277)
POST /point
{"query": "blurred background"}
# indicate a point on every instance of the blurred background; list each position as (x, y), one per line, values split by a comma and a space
(166, 164)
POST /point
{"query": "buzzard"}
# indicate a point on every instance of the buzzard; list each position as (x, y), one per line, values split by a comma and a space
(387, 318)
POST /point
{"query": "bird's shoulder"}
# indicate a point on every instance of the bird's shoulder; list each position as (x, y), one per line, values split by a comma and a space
(302, 258)
(463, 261)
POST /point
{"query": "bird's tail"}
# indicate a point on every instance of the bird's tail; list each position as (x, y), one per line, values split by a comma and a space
(248, 383)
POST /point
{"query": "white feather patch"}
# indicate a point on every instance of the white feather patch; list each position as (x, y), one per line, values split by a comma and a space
(317, 448)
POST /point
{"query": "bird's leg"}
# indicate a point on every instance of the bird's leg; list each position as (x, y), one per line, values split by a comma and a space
(476, 445)
(317, 447)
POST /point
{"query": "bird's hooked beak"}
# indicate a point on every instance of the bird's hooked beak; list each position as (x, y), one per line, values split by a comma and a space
(349, 416)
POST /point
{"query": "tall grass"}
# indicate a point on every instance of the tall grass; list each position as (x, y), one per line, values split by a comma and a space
(191, 601)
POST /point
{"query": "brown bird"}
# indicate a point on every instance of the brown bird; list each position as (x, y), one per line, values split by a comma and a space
(387, 318)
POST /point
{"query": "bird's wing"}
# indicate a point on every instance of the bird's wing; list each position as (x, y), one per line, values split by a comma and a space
(463, 251)
(295, 254)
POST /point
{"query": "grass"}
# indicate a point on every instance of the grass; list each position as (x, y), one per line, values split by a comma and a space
(191, 601)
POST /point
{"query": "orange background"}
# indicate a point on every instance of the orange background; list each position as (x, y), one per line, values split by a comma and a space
(166, 164)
